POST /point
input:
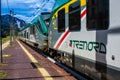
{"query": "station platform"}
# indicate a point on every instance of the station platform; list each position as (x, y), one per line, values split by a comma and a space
(23, 63)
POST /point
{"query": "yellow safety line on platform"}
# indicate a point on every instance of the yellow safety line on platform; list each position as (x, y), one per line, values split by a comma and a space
(44, 73)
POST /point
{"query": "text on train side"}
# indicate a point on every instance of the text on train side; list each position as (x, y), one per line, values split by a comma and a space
(90, 46)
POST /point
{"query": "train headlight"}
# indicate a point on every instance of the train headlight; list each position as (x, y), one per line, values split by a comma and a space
(45, 43)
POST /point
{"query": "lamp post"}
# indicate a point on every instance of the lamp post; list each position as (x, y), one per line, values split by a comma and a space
(0, 44)
(11, 27)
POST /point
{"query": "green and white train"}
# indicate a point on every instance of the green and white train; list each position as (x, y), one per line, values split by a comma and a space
(36, 32)
(83, 34)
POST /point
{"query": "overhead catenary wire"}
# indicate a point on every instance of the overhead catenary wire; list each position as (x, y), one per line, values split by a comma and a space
(8, 5)
(43, 3)
(36, 12)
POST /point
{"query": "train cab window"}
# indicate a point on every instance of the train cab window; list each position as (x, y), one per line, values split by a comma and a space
(39, 25)
(61, 20)
(46, 18)
(97, 14)
(74, 16)
(47, 22)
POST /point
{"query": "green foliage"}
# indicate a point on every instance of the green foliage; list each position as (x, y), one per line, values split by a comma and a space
(3, 75)
(5, 39)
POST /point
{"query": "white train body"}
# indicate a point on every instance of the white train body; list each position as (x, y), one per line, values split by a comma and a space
(83, 34)
(93, 52)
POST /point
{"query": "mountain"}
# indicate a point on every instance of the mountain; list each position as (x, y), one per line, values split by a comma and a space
(5, 23)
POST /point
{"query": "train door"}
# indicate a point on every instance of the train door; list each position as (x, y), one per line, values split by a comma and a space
(32, 33)
(98, 20)
(88, 37)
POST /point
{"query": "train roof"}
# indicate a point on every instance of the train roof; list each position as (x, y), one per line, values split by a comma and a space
(58, 4)
(35, 22)
(26, 26)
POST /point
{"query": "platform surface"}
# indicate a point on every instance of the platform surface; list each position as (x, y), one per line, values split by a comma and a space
(23, 63)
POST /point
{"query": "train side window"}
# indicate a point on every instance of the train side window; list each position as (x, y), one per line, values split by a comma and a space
(32, 30)
(27, 35)
(74, 16)
(61, 20)
(97, 14)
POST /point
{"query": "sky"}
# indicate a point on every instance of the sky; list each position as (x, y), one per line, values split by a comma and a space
(26, 9)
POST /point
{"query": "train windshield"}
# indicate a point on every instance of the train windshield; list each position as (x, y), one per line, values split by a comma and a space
(46, 18)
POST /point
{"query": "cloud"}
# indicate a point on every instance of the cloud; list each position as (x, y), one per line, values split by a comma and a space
(47, 6)
(26, 9)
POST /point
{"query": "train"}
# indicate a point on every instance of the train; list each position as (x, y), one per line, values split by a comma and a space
(36, 32)
(82, 34)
